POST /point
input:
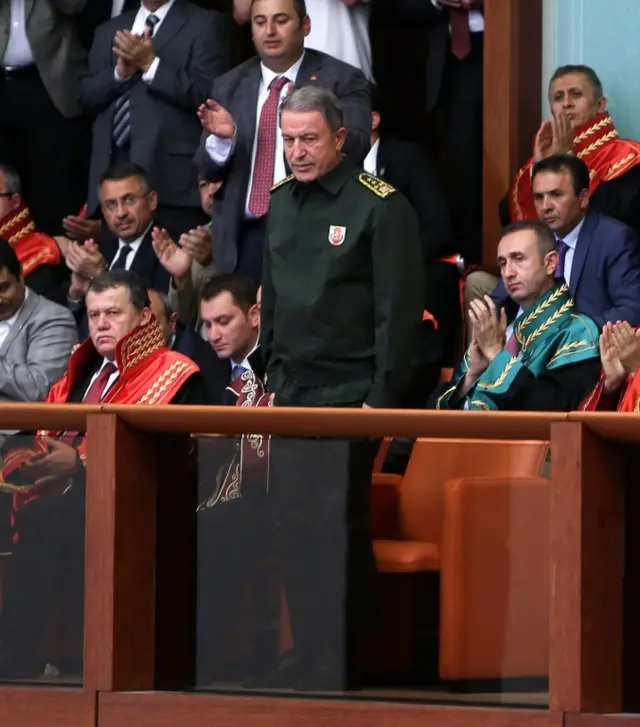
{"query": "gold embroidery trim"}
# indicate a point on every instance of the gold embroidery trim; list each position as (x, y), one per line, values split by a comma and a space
(448, 391)
(570, 348)
(607, 121)
(480, 404)
(547, 324)
(598, 143)
(619, 165)
(160, 386)
(376, 185)
(501, 379)
(516, 203)
(283, 181)
(538, 311)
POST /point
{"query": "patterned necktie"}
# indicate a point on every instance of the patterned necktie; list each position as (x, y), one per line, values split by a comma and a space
(237, 371)
(265, 163)
(460, 35)
(122, 115)
(121, 260)
(561, 247)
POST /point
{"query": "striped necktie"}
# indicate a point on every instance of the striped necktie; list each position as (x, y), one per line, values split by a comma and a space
(122, 115)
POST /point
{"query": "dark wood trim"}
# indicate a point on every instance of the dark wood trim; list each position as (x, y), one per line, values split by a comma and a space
(602, 720)
(512, 84)
(200, 710)
(47, 706)
(587, 524)
(119, 646)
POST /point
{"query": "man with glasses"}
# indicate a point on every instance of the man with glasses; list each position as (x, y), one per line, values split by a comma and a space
(128, 205)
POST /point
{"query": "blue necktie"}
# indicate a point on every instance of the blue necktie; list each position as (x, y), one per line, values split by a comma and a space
(122, 115)
(237, 371)
(561, 247)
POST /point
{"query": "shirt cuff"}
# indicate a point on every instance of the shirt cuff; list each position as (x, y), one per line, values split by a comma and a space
(150, 73)
(118, 77)
(219, 150)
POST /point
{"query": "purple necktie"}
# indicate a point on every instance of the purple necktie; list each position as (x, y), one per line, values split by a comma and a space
(561, 248)
(513, 347)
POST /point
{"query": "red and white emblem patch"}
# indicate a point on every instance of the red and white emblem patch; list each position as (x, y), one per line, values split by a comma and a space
(337, 234)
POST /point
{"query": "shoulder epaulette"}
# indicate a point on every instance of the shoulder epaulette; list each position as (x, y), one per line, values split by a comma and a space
(282, 182)
(376, 185)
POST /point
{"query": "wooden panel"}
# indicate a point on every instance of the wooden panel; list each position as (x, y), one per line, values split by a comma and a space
(602, 720)
(199, 710)
(617, 426)
(120, 557)
(512, 85)
(585, 667)
(47, 707)
(303, 422)
(29, 417)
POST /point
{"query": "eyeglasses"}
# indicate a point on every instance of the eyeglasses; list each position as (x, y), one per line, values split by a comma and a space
(128, 200)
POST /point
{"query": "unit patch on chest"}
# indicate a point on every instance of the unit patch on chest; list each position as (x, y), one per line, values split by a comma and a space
(376, 185)
(337, 234)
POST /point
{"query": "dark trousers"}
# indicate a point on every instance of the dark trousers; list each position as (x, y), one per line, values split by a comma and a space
(47, 563)
(251, 249)
(49, 151)
(458, 137)
(320, 503)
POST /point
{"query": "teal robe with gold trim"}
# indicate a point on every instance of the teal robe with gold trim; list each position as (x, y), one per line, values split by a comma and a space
(559, 362)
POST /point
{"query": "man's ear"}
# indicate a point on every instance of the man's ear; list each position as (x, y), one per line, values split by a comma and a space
(254, 315)
(145, 316)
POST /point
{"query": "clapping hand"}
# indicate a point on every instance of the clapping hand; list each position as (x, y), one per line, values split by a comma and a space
(626, 342)
(614, 373)
(197, 243)
(555, 136)
(489, 326)
(174, 259)
(135, 51)
(85, 259)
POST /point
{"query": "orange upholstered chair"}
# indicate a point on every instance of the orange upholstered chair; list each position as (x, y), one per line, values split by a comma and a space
(442, 524)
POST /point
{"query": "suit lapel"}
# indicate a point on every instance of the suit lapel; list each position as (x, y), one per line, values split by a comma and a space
(310, 69)
(23, 316)
(176, 18)
(145, 259)
(109, 248)
(382, 158)
(582, 249)
(248, 95)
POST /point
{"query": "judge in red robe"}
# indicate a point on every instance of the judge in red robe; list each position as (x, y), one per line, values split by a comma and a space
(125, 361)
(619, 385)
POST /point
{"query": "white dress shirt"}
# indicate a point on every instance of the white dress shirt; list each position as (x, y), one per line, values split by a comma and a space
(476, 18)
(135, 246)
(138, 28)
(245, 364)
(6, 326)
(110, 381)
(571, 240)
(341, 31)
(371, 160)
(219, 150)
(18, 51)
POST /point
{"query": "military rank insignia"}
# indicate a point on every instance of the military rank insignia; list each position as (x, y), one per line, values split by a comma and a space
(337, 234)
(376, 185)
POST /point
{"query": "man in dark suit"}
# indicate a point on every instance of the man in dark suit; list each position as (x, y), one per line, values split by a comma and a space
(41, 132)
(144, 95)
(599, 256)
(242, 144)
(455, 42)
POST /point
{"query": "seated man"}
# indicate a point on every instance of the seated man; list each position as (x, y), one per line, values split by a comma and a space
(129, 206)
(599, 257)
(547, 359)
(36, 336)
(39, 255)
(581, 126)
(124, 361)
(619, 385)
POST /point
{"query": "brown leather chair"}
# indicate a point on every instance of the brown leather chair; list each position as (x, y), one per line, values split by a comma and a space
(443, 524)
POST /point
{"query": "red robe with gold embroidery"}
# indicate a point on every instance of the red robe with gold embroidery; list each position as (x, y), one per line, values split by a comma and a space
(149, 374)
(33, 248)
(627, 399)
(598, 143)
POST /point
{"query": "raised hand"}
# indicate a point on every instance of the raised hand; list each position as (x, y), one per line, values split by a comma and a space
(81, 228)
(614, 373)
(562, 135)
(197, 243)
(172, 257)
(544, 141)
(488, 325)
(216, 120)
(478, 362)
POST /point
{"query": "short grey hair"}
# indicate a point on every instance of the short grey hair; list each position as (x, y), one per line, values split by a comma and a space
(314, 98)
(12, 178)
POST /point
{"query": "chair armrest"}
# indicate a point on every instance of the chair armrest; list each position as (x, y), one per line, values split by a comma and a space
(495, 578)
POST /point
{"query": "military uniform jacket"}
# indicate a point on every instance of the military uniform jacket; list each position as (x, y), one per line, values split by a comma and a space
(343, 290)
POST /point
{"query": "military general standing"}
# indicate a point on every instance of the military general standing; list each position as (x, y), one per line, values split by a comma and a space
(343, 290)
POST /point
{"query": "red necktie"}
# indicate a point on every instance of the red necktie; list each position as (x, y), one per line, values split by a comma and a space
(96, 390)
(513, 347)
(460, 35)
(262, 180)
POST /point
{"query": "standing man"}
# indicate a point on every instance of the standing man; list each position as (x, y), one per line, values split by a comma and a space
(455, 42)
(149, 71)
(243, 146)
(41, 132)
(342, 304)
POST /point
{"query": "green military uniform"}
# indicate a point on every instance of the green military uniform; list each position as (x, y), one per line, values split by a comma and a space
(559, 362)
(342, 302)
